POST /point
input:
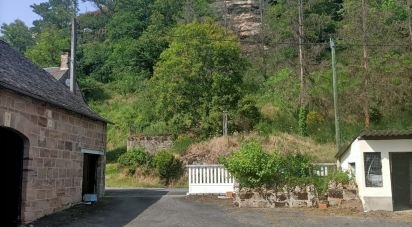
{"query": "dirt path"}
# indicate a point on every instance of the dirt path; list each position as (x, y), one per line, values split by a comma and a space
(159, 207)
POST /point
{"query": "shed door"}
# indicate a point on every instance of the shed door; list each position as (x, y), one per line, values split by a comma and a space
(410, 182)
(401, 180)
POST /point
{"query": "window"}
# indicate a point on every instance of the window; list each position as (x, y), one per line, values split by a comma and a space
(373, 169)
(352, 168)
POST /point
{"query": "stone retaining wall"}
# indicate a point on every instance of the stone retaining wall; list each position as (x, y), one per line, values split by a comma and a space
(151, 144)
(338, 195)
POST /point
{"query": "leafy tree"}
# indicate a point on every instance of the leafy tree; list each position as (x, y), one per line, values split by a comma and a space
(130, 18)
(198, 77)
(18, 35)
(49, 44)
(56, 13)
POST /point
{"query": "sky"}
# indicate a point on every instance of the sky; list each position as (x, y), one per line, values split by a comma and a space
(11, 10)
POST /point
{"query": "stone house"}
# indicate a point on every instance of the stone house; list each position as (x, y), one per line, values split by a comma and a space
(381, 162)
(52, 143)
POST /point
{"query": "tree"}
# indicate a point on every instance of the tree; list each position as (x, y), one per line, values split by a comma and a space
(18, 35)
(198, 77)
(49, 44)
(130, 18)
(55, 13)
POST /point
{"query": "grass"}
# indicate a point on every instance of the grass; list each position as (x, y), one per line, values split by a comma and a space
(117, 177)
(211, 150)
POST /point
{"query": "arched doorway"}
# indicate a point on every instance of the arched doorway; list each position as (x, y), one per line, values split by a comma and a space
(12, 146)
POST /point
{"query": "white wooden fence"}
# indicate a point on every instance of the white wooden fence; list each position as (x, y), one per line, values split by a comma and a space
(209, 179)
(323, 169)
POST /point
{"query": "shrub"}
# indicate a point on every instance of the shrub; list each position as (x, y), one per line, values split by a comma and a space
(253, 167)
(113, 155)
(135, 158)
(168, 167)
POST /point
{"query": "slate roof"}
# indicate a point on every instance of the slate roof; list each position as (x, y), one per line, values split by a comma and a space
(22, 76)
(378, 135)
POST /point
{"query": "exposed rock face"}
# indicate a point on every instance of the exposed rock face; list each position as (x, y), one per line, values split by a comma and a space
(241, 16)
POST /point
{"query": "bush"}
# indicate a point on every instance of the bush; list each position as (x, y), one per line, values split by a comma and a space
(113, 155)
(135, 158)
(168, 167)
(253, 167)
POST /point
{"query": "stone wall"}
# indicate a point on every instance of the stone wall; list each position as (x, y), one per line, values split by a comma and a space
(338, 195)
(304, 196)
(151, 144)
(53, 162)
(345, 196)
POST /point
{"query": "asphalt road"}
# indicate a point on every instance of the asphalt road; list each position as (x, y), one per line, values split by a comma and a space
(160, 207)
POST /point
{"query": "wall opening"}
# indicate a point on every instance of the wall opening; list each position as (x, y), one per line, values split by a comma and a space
(12, 146)
(401, 179)
(90, 162)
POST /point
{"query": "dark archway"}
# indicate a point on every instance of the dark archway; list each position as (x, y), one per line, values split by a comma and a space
(12, 145)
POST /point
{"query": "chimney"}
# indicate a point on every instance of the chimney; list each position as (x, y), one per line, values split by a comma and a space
(64, 60)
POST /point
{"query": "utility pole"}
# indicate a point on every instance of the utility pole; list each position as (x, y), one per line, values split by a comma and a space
(335, 95)
(365, 63)
(302, 76)
(225, 123)
(408, 4)
(73, 49)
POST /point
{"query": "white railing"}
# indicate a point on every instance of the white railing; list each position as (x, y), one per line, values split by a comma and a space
(323, 169)
(209, 179)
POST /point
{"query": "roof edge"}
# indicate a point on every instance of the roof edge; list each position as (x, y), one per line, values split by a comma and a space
(97, 118)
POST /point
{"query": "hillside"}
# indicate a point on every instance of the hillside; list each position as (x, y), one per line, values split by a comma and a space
(173, 67)
(210, 151)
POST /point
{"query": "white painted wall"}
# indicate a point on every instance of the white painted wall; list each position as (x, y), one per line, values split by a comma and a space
(355, 154)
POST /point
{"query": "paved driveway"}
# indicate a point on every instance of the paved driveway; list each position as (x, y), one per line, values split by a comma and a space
(160, 207)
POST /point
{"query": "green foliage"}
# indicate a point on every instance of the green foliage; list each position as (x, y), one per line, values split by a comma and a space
(130, 18)
(49, 44)
(197, 78)
(92, 90)
(303, 127)
(168, 167)
(113, 155)
(253, 167)
(18, 35)
(53, 13)
(136, 158)
(321, 183)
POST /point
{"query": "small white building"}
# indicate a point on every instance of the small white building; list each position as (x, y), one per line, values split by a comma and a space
(381, 162)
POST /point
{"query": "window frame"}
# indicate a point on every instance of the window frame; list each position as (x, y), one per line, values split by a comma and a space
(375, 167)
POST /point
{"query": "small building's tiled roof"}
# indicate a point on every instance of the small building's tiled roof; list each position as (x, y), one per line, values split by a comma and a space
(385, 133)
(21, 75)
(388, 134)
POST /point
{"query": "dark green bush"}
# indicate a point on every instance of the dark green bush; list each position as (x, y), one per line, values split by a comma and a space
(168, 166)
(135, 158)
(113, 155)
